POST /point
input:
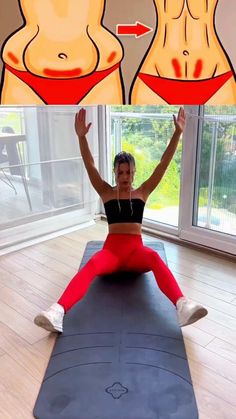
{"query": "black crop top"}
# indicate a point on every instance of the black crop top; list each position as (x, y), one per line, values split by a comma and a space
(124, 210)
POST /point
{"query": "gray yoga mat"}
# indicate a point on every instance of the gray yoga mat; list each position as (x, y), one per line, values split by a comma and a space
(121, 355)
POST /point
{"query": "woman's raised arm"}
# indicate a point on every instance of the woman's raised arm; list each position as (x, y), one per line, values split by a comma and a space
(81, 129)
(151, 183)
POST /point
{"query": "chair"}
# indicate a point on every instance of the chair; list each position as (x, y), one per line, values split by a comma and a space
(10, 159)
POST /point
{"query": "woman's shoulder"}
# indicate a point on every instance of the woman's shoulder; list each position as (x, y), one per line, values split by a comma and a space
(109, 193)
(138, 194)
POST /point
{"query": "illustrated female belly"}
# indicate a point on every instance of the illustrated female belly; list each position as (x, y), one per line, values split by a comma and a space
(62, 51)
(186, 63)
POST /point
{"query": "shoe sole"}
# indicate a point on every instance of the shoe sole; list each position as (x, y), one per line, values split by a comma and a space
(197, 315)
(45, 323)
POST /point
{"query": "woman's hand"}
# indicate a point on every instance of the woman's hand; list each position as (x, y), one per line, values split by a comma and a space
(179, 121)
(81, 128)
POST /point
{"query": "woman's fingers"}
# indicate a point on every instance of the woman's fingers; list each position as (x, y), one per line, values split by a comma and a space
(88, 126)
(181, 115)
(76, 119)
(80, 122)
(181, 112)
(83, 116)
(80, 117)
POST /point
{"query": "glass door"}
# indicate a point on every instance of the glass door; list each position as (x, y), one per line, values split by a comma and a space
(44, 186)
(145, 131)
(196, 199)
(208, 199)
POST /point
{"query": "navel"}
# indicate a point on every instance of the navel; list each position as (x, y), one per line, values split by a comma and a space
(62, 56)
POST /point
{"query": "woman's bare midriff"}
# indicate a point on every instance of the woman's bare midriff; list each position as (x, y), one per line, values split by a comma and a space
(125, 228)
(61, 40)
(186, 47)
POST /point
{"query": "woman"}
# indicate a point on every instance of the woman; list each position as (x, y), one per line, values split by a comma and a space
(124, 207)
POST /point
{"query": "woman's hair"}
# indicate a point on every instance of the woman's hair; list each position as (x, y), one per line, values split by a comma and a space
(123, 157)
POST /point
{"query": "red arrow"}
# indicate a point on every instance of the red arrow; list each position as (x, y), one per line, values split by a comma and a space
(138, 29)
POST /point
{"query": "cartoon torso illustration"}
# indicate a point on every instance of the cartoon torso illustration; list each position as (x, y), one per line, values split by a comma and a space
(186, 63)
(62, 55)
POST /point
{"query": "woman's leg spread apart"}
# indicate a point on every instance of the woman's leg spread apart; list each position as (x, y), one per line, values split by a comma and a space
(144, 259)
(103, 262)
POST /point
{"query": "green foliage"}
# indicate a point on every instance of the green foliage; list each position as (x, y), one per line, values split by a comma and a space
(155, 205)
(144, 166)
(147, 138)
(167, 192)
(232, 208)
(222, 197)
(11, 119)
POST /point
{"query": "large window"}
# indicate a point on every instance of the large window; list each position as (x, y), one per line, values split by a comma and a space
(196, 199)
(41, 170)
(216, 178)
(145, 131)
(43, 179)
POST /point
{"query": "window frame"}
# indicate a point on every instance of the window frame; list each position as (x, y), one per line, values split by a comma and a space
(185, 231)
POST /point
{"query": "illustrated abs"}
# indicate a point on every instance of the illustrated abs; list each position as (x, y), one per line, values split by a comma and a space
(186, 42)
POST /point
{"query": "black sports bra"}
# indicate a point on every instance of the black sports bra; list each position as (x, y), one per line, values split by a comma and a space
(124, 210)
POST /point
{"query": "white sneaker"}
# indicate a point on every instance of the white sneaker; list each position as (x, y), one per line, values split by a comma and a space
(51, 319)
(189, 312)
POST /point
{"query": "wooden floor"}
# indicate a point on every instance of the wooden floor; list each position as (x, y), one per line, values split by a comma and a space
(33, 278)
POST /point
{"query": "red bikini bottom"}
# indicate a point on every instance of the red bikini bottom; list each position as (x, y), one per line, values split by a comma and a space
(62, 91)
(131, 256)
(185, 92)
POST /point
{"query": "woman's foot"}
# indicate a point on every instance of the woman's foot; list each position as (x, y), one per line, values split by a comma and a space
(51, 319)
(189, 312)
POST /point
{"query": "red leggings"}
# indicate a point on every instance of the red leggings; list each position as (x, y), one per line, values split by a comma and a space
(121, 252)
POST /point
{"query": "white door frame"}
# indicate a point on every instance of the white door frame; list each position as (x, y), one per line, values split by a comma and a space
(188, 199)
